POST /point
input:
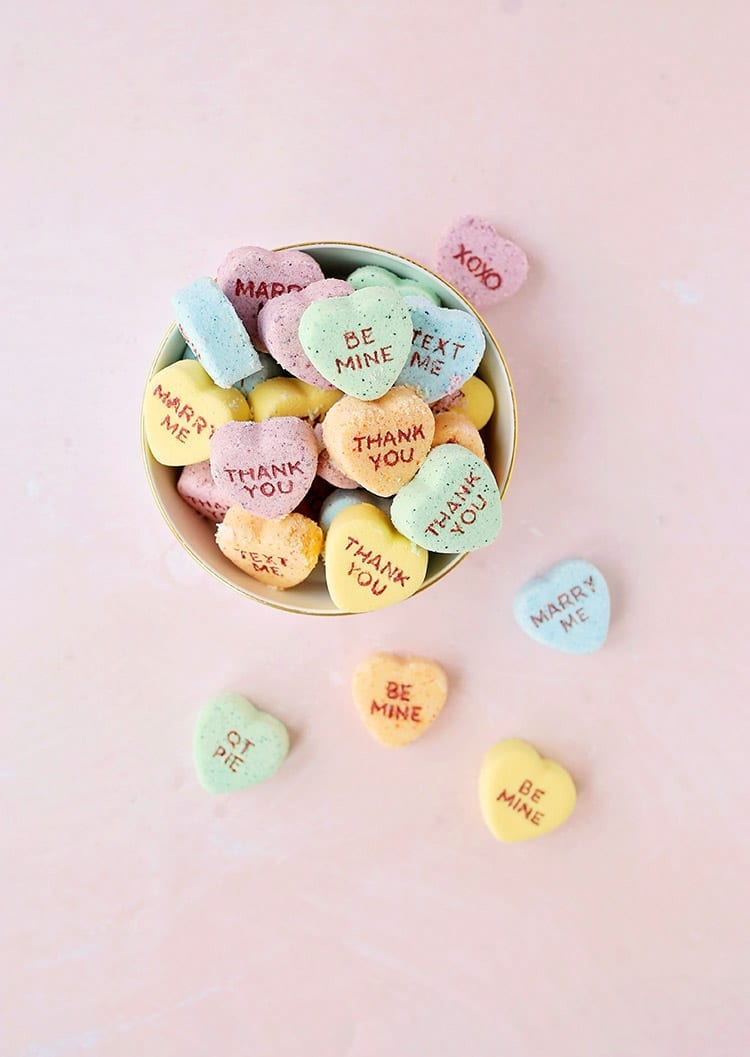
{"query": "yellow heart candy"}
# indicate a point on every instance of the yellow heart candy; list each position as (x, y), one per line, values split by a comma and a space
(282, 552)
(398, 699)
(182, 410)
(474, 399)
(281, 397)
(368, 563)
(522, 795)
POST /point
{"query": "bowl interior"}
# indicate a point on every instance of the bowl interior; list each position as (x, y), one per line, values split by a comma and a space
(196, 534)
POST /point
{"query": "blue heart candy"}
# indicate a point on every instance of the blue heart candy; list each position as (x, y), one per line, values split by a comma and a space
(446, 348)
(567, 608)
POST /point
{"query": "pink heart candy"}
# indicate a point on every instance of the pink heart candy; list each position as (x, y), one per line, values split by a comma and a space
(278, 327)
(265, 467)
(479, 262)
(250, 276)
(199, 490)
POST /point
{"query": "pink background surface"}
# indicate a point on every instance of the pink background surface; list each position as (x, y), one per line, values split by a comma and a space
(355, 905)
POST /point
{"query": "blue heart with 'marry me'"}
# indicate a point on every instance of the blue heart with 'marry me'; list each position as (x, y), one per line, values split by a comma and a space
(567, 608)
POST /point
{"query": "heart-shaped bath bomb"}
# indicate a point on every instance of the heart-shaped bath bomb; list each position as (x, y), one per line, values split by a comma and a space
(265, 467)
(380, 444)
(236, 745)
(567, 608)
(360, 342)
(452, 505)
(479, 262)
(199, 490)
(278, 397)
(398, 698)
(474, 399)
(371, 275)
(446, 347)
(183, 408)
(451, 427)
(281, 553)
(522, 795)
(368, 564)
(214, 331)
(278, 326)
(250, 276)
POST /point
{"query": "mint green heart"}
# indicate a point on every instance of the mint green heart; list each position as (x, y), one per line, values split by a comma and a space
(236, 745)
(359, 343)
(371, 275)
(452, 505)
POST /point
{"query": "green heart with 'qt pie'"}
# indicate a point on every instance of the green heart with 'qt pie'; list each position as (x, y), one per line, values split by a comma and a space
(236, 745)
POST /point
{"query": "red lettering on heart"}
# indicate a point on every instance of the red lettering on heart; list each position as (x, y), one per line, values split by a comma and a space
(481, 263)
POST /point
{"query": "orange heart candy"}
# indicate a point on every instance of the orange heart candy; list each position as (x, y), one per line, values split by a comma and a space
(451, 427)
(282, 552)
(380, 444)
(398, 698)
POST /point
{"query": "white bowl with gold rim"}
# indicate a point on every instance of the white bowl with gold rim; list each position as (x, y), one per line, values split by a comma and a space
(196, 534)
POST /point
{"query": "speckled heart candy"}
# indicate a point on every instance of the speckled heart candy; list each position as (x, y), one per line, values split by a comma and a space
(266, 467)
(480, 263)
(567, 608)
(250, 276)
(278, 326)
(372, 275)
(381, 443)
(398, 698)
(358, 343)
(452, 505)
(446, 348)
(236, 745)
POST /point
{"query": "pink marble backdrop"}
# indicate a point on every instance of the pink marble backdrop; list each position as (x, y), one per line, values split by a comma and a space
(355, 906)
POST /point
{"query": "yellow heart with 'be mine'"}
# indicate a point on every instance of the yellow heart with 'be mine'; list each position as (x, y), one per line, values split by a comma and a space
(521, 794)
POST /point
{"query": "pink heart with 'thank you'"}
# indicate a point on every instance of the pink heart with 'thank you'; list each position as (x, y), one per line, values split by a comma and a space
(266, 468)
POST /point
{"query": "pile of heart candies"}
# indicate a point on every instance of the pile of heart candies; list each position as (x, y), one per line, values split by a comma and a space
(343, 417)
(316, 416)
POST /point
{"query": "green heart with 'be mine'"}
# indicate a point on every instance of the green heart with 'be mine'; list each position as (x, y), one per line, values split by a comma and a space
(359, 343)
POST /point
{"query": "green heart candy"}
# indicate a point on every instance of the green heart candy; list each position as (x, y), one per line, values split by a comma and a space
(236, 745)
(452, 505)
(371, 275)
(359, 343)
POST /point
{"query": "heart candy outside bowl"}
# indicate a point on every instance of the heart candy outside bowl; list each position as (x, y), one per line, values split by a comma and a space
(196, 534)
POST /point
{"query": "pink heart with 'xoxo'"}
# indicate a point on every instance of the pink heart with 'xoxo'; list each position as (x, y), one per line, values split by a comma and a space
(479, 262)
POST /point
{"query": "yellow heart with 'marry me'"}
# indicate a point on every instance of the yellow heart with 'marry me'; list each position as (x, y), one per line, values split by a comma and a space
(182, 410)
